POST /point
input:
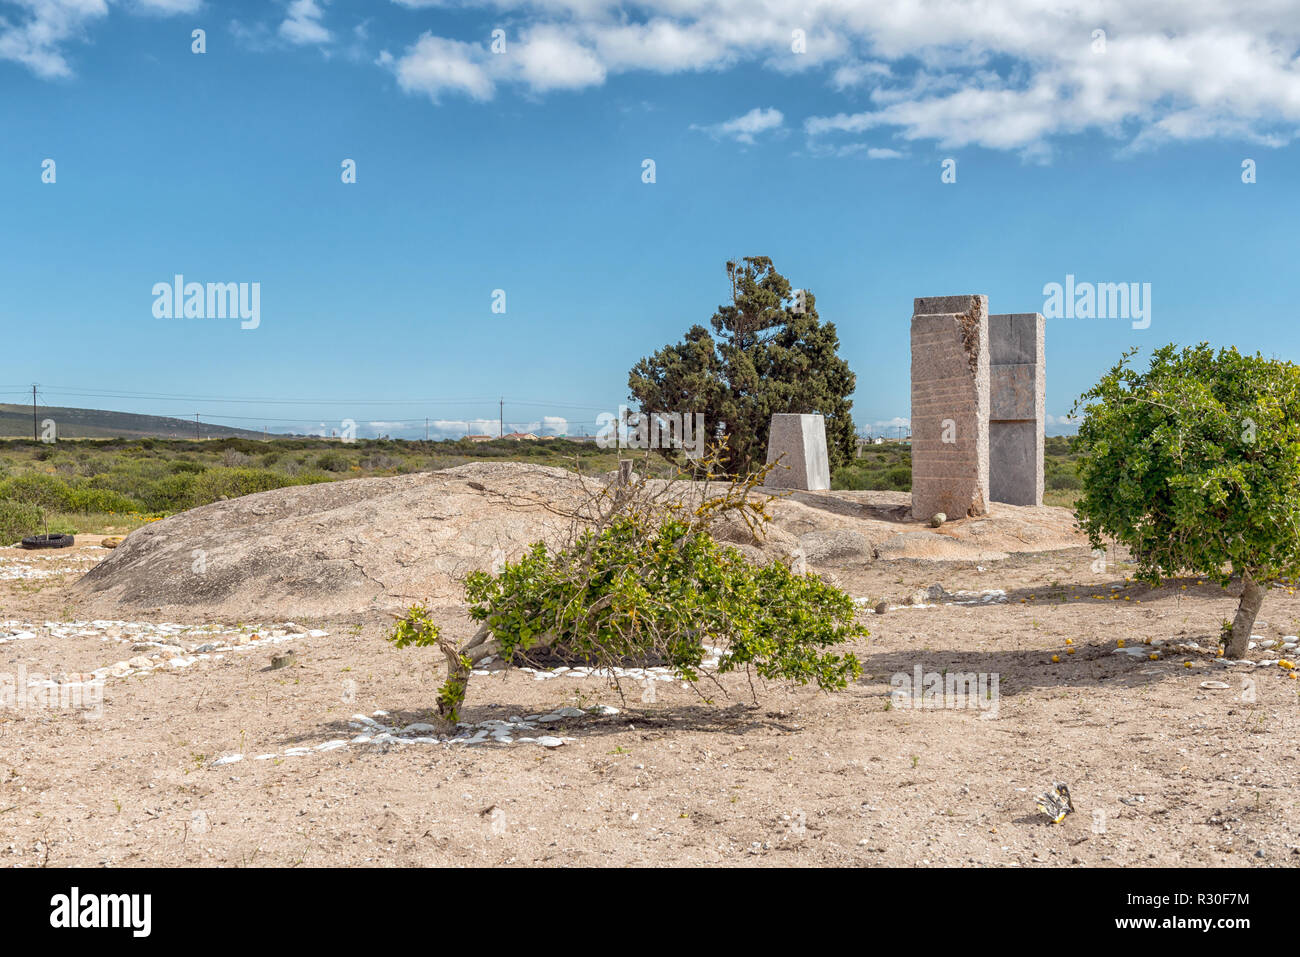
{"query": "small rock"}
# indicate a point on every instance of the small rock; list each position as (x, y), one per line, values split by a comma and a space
(937, 519)
(283, 660)
(547, 741)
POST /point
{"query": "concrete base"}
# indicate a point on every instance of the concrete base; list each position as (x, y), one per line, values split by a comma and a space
(797, 443)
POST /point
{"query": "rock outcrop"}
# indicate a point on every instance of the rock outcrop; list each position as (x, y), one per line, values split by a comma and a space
(375, 545)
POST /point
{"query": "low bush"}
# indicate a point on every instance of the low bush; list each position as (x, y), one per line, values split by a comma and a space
(99, 500)
(171, 493)
(33, 488)
(211, 485)
(332, 462)
(18, 520)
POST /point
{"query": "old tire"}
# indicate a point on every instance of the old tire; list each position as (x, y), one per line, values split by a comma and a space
(55, 540)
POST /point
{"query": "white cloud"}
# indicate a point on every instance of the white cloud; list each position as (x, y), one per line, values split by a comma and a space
(37, 37)
(435, 65)
(257, 36)
(548, 58)
(821, 148)
(744, 128)
(544, 59)
(855, 74)
(1003, 74)
(459, 428)
(302, 24)
(168, 7)
(661, 45)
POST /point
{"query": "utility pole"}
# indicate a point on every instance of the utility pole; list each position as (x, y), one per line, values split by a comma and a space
(196, 427)
(36, 433)
(502, 428)
(426, 428)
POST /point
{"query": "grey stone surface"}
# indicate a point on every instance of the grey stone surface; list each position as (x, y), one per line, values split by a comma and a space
(950, 406)
(1018, 375)
(839, 546)
(798, 444)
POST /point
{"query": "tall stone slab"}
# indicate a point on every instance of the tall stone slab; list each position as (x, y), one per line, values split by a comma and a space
(797, 443)
(950, 406)
(1018, 377)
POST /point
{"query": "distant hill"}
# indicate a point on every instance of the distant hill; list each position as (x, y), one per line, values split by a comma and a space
(16, 423)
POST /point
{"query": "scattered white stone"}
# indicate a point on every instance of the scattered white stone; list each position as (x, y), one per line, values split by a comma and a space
(162, 645)
(1138, 652)
(27, 567)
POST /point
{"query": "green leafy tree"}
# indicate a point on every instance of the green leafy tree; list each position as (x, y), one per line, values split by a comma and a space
(645, 582)
(768, 353)
(1194, 465)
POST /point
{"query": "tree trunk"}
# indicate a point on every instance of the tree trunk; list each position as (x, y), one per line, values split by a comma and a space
(1252, 597)
(482, 645)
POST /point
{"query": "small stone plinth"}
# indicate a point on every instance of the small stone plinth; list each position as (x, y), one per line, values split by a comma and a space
(797, 443)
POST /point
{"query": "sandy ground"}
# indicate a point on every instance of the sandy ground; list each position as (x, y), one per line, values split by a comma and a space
(1161, 771)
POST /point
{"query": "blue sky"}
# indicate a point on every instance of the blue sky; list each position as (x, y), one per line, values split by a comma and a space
(522, 171)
